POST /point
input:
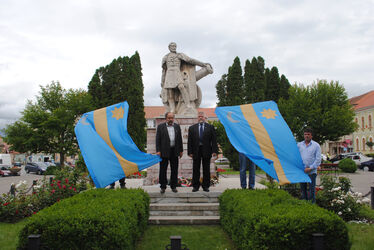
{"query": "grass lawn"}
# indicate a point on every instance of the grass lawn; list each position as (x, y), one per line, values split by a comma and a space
(9, 234)
(361, 236)
(230, 171)
(195, 237)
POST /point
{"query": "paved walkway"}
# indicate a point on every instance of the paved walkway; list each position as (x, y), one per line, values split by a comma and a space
(224, 183)
(361, 182)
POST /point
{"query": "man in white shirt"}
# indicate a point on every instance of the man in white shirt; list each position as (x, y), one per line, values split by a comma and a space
(311, 155)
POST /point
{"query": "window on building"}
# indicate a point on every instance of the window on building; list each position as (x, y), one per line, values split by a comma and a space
(356, 120)
(363, 144)
(369, 121)
(363, 122)
(371, 140)
(357, 145)
(151, 123)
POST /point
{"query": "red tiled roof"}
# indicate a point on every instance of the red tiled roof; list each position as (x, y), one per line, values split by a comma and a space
(153, 111)
(156, 111)
(363, 101)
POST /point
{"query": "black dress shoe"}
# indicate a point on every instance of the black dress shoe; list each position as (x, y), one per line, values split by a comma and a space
(206, 189)
(174, 190)
(162, 190)
(195, 189)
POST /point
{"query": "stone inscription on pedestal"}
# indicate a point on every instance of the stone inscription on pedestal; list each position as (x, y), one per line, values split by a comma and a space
(185, 163)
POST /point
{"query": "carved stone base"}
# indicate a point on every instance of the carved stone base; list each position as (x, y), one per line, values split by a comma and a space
(185, 163)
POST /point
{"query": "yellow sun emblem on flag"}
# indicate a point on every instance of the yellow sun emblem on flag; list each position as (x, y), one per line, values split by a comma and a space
(269, 114)
(118, 113)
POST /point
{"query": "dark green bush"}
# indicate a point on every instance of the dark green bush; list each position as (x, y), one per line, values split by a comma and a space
(273, 219)
(95, 219)
(347, 165)
(370, 155)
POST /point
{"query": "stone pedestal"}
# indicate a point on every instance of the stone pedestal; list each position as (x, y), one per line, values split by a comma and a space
(185, 163)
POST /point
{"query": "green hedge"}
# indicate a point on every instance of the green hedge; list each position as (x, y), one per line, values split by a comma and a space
(273, 219)
(347, 165)
(95, 219)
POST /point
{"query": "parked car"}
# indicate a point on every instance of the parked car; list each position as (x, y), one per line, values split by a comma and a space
(10, 171)
(222, 160)
(36, 167)
(357, 157)
(369, 164)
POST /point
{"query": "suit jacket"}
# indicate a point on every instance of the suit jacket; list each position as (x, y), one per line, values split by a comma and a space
(209, 140)
(163, 140)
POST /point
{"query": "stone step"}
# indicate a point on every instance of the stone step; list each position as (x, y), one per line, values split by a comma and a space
(184, 209)
(183, 220)
(185, 197)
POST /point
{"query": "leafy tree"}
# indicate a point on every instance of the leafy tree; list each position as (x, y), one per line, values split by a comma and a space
(47, 125)
(120, 81)
(322, 106)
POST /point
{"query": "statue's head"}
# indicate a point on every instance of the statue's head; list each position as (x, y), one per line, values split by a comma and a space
(173, 47)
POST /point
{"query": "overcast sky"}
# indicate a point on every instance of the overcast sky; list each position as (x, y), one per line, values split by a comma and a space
(49, 40)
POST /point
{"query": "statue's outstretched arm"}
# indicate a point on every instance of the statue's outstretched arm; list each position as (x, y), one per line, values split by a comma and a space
(191, 60)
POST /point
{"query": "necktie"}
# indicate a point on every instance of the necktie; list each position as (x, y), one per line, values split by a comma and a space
(201, 133)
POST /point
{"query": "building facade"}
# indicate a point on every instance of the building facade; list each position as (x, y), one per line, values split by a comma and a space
(364, 109)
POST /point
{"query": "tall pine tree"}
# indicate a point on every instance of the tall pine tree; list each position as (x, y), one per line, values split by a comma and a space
(120, 81)
(221, 90)
(234, 85)
(284, 87)
(229, 92)
(254, 80)
(272, 84)
(257, 85)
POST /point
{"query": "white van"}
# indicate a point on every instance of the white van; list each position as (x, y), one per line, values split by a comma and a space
(5, 161)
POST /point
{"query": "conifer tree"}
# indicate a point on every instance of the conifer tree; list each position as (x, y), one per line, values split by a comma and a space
(120, 81)
(284, 87)
(221, 90)
(272, 84)
(234, 84)
(249, 84)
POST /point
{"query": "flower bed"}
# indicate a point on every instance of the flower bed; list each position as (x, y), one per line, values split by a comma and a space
(23, 203)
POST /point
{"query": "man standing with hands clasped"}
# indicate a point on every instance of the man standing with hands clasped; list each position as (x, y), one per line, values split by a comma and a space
(169, 146)
(311, 155)
(202, 144)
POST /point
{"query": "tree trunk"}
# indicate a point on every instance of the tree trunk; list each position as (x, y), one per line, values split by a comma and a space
(62, 159)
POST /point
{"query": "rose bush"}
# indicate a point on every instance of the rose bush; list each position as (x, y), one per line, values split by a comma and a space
(336, 196)
(28, 200)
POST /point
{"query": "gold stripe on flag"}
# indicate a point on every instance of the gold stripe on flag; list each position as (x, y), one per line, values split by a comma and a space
(264, 141)
(101, 126)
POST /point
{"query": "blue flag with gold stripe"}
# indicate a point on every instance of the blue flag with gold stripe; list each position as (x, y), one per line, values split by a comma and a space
(259, 131)
(108, 150)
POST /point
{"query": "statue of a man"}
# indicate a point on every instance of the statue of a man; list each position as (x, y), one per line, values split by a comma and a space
(179, 90)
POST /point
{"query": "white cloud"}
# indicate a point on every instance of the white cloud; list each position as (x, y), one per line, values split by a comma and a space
(43, 40)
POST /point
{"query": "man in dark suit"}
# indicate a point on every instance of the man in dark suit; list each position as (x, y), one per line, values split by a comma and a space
(169, 146)
(202, 144)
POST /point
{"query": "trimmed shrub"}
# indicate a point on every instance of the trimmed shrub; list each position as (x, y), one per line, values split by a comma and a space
(95, 219)
(273, 219)
(347, 165)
